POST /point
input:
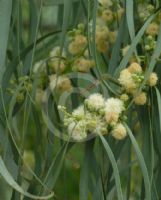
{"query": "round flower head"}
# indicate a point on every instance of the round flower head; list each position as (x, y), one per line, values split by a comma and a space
(114, 105)
(83, 65)
(152, 79)
(81, 41)
(56, 65)
(119, 132)
(124, 97)
(77, 130)
(78, 44)
(101, 33)
(78, 112)
(111, 117)
(95, 102)
(107, 15)
(102, 38)
(140, 99)
(73, 49)
(127, 81)
(61, 83)
(153, 29)
(134, 68)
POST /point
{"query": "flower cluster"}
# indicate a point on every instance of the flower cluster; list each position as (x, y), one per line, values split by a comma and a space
(106, 116)
(96, 116)
(20, 87)
(74, 57)
(131, 79)
(108, 14)
(145, 10)
(153, 29)
(78, 50)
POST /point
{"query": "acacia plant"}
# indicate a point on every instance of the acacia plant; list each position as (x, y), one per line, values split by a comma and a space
(80, 99)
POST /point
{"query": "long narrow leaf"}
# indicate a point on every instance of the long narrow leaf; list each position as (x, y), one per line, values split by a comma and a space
(5, 15)
(114, 165)
(9, 179)
(141, 163)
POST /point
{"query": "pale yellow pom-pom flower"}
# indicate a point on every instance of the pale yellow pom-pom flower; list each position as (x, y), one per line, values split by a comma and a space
(153, 79)
(101, 38)
(124, 97)
(81, 41)
(61, 83)
(78, 44)
(134, 68)
(153, 29)
(119, 132)
(101, 32)
(107, 15)
(140, 99)
(56, 65)
(83, 65)
(127, 81)
(111, 117)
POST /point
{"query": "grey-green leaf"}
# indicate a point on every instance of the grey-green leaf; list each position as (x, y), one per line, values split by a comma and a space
(141, 163)
(9, 179)
(115, 168)
(5, 15)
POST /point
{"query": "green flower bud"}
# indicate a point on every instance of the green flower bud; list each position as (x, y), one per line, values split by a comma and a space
(20, 97)
(81, 27)
(150, 38)
(147, 48)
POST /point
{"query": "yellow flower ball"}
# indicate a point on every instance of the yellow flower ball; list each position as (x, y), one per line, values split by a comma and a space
(153, 29)
(134, 68)
(101, 33)
(111, 117)
(124, 97)
(61, 83)
(107, 15)
(127, 81)
(140, 99)
(153, 79)
(78, 44)
(56, 65)
(119, 132)
(83, 65)
(81, 41)
(73, 48)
